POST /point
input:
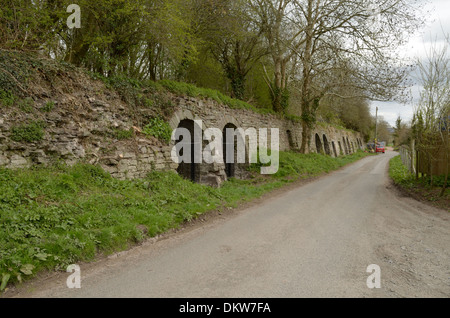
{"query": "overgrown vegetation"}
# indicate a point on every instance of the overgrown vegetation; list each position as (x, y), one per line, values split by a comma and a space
(122, 134)
(400, 173)
(48, 107)
(159, 129)
(6, 98)
(193, 91)
(26, 105)
(56, 216)
(431, 122)
(148, 93)
(31, 132)
(424, 188)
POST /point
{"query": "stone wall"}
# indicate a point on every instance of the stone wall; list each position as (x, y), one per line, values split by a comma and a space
(80, 127)
(215, 115)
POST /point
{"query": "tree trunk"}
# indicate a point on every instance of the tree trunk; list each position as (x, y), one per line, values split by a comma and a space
(238, 86)
(280, 97)
(306, 139)
(308, 113)
(237, 80)
(78, 49)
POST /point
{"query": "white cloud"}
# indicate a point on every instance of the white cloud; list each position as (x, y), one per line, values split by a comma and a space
(437, 13)
(390, 111)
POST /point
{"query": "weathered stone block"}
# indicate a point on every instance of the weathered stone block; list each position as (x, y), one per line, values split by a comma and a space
(3, 160)
(18, 162)
(212, 180)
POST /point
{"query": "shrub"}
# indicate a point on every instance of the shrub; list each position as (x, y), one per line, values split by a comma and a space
(399, 173)
(28, 133)
(6, 98)
(48, 107)
(26, 105)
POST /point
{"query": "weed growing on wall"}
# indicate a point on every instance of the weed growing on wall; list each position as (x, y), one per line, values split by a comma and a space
(159, 129)
(31, 132)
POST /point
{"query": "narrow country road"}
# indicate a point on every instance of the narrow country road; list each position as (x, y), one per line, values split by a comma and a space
(316, 240)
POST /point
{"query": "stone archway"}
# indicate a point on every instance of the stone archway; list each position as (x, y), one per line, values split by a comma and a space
(341, 151)
(180, 115)
(228, 120)
(334, 149)
(345, 146)
(319, 146)
(349, 147)
(189, 170)
(230, 167)
(326, 145)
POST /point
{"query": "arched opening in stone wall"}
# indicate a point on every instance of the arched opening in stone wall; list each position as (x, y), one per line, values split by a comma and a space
(230, 167)
(326, 145)
(334, 149)
(319, 144)
(349, 147)
(345, 146)
(189, 170)
(341, 152)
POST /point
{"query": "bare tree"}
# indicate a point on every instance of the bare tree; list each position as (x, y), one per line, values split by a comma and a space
(357, 38)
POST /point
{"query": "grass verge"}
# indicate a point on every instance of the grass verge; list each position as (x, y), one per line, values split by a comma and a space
(420, 189)
(56, 216)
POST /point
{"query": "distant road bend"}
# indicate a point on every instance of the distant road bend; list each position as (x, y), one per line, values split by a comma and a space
(316, 240)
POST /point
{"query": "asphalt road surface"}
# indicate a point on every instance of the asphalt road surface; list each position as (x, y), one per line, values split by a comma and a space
(314, 240)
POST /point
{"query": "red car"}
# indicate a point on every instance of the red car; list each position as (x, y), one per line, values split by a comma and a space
(380, 148)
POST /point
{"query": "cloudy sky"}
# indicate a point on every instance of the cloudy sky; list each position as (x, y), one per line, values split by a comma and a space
(438, 22)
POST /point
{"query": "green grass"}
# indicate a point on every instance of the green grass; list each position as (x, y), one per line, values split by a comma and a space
(423, 188)
(295, 165)
(121, 134)
(48, 107)
(131, 91)
(56, 216)
(181, 88)
(400, 174)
